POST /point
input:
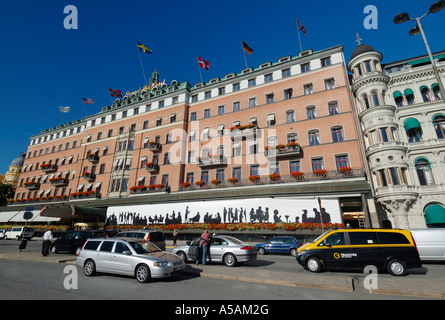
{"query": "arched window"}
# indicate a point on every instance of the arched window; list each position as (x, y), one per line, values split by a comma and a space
(439, 126)
(425, 93)
(409, 95)
(436, 91)
(413, 130)
(398, 98)
(423, 169)
(375, 98)
(365, 101)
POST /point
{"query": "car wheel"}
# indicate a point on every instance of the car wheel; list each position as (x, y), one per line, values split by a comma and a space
(293, 252)
(89, 268)
(396, 267)
(182, 255)
(261, 251)
(53, 249)
(313, 264)
(229, 260)
(142, 273)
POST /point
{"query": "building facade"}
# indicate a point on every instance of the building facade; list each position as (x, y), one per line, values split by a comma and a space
(402, 117)
(12, 175)
(285, 129)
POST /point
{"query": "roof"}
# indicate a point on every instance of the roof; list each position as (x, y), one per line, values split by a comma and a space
(361, 48)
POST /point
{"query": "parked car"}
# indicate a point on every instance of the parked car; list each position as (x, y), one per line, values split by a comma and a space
(430, 243)
(155, 237)
(139, 258)
(17, 233)
(73, 241)
(225, 249)
(391, 250)
(283, 244)
(2, 233)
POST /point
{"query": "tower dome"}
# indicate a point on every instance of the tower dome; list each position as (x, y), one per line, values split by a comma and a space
(18, 162)
(361, 48)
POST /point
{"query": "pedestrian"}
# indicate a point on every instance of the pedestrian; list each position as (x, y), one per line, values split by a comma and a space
(204, 244)
(175, 236)
(47, 238)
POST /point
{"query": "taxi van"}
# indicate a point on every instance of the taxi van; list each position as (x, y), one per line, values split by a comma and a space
(392, 250)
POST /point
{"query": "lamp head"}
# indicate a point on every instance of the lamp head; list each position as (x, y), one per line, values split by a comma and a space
(401, 18)
(437, 6)
(414, 31)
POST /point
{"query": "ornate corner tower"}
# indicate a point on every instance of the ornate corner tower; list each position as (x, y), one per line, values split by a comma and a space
(385, 151)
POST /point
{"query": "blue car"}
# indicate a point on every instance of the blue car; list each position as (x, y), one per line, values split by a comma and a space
(282, 244)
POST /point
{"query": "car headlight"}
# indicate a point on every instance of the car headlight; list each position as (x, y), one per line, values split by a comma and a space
(163, 264)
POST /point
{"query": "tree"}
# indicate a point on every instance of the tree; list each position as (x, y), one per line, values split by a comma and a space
(6, 192)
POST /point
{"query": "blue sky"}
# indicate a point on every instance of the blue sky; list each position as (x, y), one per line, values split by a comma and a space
(43, 65)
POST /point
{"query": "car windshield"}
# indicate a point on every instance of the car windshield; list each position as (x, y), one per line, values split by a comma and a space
(144, 247)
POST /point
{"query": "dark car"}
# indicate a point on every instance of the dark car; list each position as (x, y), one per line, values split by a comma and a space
(283, 244)
(74, 240)
(155, 237)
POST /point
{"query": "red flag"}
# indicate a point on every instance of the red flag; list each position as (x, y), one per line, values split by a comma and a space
(301, 27)
(203, 64)
(115, 93)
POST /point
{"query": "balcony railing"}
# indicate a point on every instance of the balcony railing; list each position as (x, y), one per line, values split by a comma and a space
(93, 158)
(274, 180)
(214, 161)
(48, 168)
(89, 176)
(154, 146)
(32, 185)
(59, 182)
(294, 151)
(152, 168)
(244, 131)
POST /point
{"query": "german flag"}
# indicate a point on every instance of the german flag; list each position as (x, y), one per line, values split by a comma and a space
(246, 48)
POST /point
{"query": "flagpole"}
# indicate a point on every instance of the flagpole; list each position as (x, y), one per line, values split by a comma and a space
(140, 59)
(299, 38)
(244, 51)
(61, 116)
(200, 75)
(84, 109)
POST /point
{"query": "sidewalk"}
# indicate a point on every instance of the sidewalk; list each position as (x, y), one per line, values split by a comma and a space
(412, 285)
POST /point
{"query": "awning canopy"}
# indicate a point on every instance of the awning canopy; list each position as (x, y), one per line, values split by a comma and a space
(408, 92)
(435, 214)
(412, 123)
(397, 94)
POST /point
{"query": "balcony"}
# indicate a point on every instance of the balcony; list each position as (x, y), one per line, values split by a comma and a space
(154, 146)
(152, 167)
(48, 167)
(283, 151)
(32, 185)
(215, 161)
(89, 176)
(59, 182)
(92, 157)
(240, 132)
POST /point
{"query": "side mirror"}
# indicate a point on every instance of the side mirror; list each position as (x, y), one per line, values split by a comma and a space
(187, 243)
(127, 252)
(327, 244)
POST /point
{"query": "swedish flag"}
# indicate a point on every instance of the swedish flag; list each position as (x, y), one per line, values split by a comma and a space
(143, 48)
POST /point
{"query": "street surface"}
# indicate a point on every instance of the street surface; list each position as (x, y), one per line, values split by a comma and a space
(36, 280)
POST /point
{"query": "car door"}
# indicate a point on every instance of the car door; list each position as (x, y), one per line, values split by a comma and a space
(121, 262)
(192, 248)
(335, 251)
(103, 256)
(217, 249)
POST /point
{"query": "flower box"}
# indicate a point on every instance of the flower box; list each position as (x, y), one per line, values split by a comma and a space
(320, 172)
(48, 167)
(154, 146)
(185, 184)
(215, 182)
(151, 167)
(254, 178)
(275, 177)
(32, 185)
(200, 183)
(233, 180)
(297, 175)
(345, 170)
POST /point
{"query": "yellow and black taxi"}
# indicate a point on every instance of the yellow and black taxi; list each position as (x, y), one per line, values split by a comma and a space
(392, 250)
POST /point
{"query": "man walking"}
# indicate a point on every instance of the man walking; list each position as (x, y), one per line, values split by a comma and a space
(47, 238)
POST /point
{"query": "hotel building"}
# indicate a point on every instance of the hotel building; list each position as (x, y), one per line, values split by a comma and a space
(283, 130)
(402, 116)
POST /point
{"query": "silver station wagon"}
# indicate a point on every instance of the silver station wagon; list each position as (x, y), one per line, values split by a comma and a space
(138, 258)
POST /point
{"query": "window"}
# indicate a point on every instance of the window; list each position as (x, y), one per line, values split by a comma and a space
(220, 175)
(269, 98)
(337, 134)
(294, 166)
(274, 167)
(221, 110)
(317, 164)
(207, 94)
(329, 84)
(205, 176)
(107, 246)
(285, 73)
(310, 112)
(167, 158)
(414, 135)
(288, 94)
(308, 89)
(333, 108)
(290, 116)
(314, 138)
(190, 178)
(336, 239)
(382, 176)
(236, 173)
(193, 116)
(159, 121)
(221, 91)
(361, 238)
(255, 170)
(268, 78)
(194, 98)
(173, 118)
(292, 137)
(368, 66)
(236, 106)
(236, 86)
(394, 176)
(439, 126)
(252, 102)
(191, 156)
(326, 62)
(424, 173)
(436, 91)
(251, 82)
(375, 98)
(305, 67)
(425, 93)
(365, 101)
(206, 113)
(342, 161)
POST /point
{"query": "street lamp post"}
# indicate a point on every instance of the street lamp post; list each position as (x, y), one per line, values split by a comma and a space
(403, 17)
